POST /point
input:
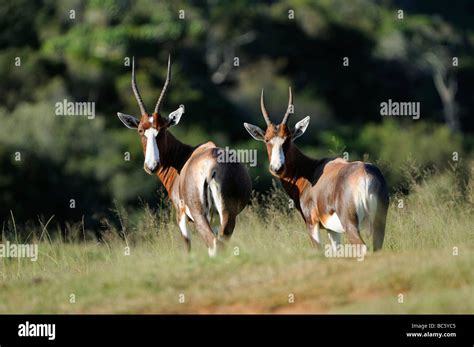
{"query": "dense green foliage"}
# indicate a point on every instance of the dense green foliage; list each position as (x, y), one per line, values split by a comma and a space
(82, 59)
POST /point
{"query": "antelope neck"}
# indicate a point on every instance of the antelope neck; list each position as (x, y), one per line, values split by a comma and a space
(300, 172)
(174, 155)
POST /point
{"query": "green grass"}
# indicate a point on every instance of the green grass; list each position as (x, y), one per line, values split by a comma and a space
(275, 260)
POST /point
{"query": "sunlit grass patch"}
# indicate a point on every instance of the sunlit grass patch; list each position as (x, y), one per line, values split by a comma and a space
(141, 266)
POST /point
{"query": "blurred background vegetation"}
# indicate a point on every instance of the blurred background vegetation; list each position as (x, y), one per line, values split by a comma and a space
(82, 59)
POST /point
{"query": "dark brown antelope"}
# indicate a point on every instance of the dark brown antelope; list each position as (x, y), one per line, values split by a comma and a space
(197, 183)
(330, 193)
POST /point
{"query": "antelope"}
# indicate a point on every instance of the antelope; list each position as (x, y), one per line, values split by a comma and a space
(333, 194)
(197, 184)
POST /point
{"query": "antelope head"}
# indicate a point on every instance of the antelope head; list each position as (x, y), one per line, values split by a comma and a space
(150, 127)
(277, 137)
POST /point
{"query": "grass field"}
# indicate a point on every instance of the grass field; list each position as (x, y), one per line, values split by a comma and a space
(268, 267)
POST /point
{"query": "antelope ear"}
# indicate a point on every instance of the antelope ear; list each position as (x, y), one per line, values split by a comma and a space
(300, 128)
(129, 121)
(175, 116)
(257, 133)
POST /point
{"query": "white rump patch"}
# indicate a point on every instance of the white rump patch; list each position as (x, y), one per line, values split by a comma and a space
(333, 223)
(278, 157)
(216, 197)
(365, 201)
(152, 155)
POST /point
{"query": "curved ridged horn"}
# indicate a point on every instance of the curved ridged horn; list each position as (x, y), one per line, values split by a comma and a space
(264, 110)
(165, 87)
(135, 90)
(290, 104)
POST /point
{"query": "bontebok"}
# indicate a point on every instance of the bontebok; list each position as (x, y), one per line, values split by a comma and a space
(330, 193)
(197, 183)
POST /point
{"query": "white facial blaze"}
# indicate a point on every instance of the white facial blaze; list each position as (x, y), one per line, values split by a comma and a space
(152, 155)
(278, 157)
